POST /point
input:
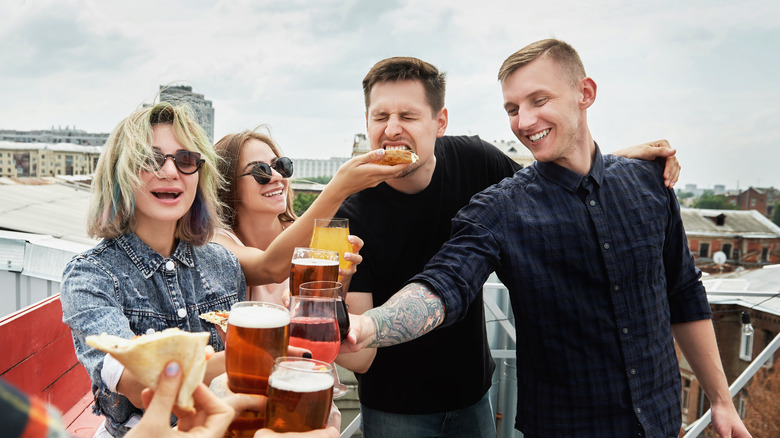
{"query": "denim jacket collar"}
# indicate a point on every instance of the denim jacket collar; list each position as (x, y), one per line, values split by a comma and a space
(148, 260)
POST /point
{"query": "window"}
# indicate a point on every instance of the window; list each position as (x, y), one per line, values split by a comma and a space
(727, 250)
(686, 389)
(746, 347)
(704, 250)
(742, 407)
(765, 254)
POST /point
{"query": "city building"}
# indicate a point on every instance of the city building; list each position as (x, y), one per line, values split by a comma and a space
(183, 94)
(46, 159)
(758, 402)
(757, 198)
(746, 238)
(316, 168)
(53, 136)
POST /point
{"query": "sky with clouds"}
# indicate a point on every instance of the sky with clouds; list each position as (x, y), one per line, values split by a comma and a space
(703, 74)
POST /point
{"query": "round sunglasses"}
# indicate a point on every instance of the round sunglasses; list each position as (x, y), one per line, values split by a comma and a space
(187, 162)
(261, 172)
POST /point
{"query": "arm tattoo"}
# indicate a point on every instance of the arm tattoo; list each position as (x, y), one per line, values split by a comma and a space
(409, 314)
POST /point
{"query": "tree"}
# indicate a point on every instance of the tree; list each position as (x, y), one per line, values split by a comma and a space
(302, 202)
(710, 200)
(776, 214)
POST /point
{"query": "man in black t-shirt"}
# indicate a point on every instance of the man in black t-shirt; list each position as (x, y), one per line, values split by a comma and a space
(436, 385)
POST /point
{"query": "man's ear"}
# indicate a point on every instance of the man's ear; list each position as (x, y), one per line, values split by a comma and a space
(441, 119)
(588, 90)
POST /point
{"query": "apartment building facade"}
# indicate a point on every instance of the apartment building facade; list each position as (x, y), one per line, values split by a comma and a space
(45, 159)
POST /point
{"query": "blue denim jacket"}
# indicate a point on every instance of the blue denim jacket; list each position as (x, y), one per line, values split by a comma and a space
(124, 288)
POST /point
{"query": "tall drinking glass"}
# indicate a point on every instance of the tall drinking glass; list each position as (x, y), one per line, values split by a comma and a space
(333, 234)
(257, 334)
(312, 264)
(310, 325)
(300, 393)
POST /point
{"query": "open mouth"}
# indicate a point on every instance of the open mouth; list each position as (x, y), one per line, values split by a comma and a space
(274, 193)
(397, 148)
(166, 195)
(539, 135)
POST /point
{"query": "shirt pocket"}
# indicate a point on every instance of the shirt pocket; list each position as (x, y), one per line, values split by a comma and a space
(144, 322)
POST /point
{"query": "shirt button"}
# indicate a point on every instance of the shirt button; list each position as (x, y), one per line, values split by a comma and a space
(616, 288)
(606, 245)
(182, 313)
(633, 371)
(169, 265)
(638, 410)
(625, 331)
(150, 331)
(592, 203)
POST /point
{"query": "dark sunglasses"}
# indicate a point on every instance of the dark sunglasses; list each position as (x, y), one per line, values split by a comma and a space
(261, 172)
(186, 162)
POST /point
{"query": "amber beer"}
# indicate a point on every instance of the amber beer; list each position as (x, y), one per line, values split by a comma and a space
(300, 392)
(309, 264)
(257, 334)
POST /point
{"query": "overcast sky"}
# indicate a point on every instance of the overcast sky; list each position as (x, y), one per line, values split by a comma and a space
(703, 74)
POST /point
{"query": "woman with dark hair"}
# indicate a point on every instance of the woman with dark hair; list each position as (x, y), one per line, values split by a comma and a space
(258, 201)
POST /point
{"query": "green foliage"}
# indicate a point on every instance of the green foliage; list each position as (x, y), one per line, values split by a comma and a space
(712, 201)
(320, 179)
(302, 202)
(776, 214)
(684, 195)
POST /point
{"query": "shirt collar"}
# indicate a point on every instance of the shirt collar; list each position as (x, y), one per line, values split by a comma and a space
(148, 260)
(568, 179)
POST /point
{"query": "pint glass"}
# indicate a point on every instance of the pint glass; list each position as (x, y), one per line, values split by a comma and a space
(300, 393)
(310, 264)
(333, 234)
(257, 334)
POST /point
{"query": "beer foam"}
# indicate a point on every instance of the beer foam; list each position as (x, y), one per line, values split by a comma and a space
(259, 317)
(315, 262)
(300, 381)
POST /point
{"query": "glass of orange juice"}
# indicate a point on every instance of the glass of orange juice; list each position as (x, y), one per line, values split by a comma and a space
(332, 234)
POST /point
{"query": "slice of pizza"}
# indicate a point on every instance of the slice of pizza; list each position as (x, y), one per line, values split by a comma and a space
(218, 318)
(146, 356)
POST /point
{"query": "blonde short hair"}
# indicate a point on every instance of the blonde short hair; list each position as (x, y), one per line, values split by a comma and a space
(128, 151)
(559, 51)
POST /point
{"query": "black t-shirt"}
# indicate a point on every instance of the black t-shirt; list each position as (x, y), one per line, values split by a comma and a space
(449, 368)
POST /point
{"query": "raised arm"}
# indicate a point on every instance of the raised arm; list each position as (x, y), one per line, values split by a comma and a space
(659, 150)
(273, 264)
(412, 312)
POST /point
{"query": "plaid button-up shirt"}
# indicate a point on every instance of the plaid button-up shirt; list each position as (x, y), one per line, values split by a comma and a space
(598, 268)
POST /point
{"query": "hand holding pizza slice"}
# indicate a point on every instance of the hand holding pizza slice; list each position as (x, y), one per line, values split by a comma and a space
(146, 356)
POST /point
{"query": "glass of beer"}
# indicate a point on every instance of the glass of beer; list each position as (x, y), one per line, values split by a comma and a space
(257, 334)
(312, 264)
(333, 234)
(300, 393)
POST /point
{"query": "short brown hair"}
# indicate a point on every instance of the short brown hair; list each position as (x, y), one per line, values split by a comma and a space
(408, 69)
(557, 50)
(229, 149)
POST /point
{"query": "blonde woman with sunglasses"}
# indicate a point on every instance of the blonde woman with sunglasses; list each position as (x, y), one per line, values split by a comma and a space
(154, 205)
(262, 228)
